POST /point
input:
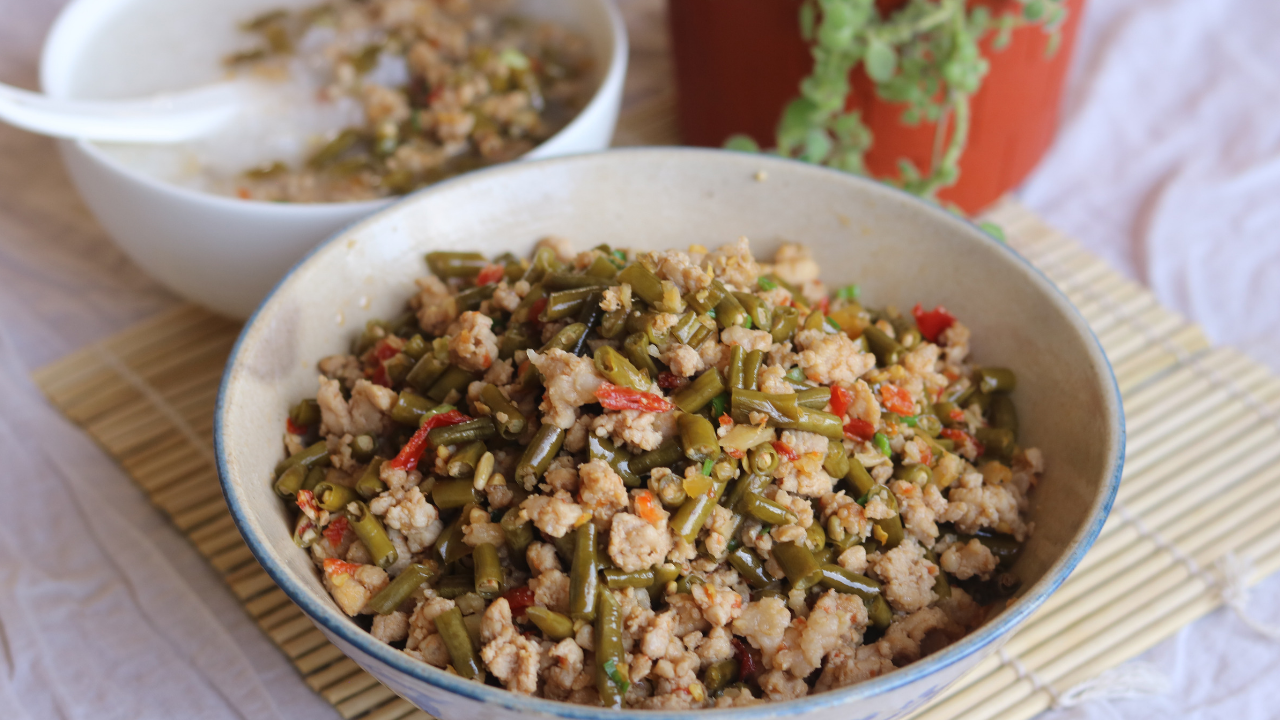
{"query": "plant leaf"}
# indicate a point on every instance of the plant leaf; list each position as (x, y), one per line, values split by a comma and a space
(880, 60)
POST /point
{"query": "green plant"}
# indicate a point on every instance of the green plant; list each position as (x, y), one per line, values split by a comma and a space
(924, 55)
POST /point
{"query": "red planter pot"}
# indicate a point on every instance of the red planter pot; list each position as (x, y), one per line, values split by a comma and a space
(739, 62)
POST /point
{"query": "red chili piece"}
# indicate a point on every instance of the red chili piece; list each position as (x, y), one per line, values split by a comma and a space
(671, 381)
(748, 661)
(407, 458)
(534, 312)
(841, 399)
(859, 429)
(519, 599)
(960, 437)
(336, 530)
(785, 450)
(619, 398)
(294, 428)
(490, 274)
(932, 323)
(896, 400)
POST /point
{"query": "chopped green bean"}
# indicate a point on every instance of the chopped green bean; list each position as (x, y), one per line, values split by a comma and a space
(450, 494)
(458, 642)
(611, 678)
(698, 393)
(584, 577)
(370, 483)
(471, 431)
(618, 370)
(489, 579)
(554, 625)
(538, 454)
(398, 590)
(370, 531)
(698, 438)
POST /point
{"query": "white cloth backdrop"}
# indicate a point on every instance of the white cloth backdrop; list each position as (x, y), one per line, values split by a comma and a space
(1168, 166)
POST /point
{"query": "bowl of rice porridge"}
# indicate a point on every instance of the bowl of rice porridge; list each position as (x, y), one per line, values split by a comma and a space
(356, 103)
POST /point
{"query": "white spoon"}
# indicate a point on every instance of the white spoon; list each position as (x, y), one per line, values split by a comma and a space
(167, 118)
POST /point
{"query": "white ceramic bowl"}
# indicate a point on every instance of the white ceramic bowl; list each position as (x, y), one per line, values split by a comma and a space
(899, 249)
(222, 252)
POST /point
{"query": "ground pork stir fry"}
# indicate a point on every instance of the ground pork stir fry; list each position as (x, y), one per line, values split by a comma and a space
(444, 86)
(659, 480)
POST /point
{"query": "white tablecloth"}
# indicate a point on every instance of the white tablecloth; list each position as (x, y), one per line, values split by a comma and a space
(1168, 166)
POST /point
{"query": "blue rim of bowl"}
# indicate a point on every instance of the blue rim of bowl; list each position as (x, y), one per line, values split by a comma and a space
(614, 74)
(990, 632)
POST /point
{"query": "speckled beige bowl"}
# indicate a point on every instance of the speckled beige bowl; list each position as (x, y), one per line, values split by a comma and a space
(899, 249)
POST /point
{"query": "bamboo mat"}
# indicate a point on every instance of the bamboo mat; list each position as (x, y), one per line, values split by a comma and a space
(1204, 441)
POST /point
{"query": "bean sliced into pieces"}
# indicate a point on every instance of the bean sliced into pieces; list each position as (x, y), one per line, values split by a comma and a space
(457, 641)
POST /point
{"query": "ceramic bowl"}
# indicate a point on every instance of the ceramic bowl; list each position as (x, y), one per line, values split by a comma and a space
(222, 252)
(899, 249)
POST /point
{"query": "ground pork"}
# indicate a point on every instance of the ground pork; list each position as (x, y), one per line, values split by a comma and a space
(390, 628)
(682, 359)
(750, 340)
(948, 468)
(846, 666)
(551, 590)
(955, 341)
(836, 620)
(720, 526)
(638, 431)
(962, 609)
(353, 585)
(715, 647)
(480, 529)
(408, 511)
(365, 414)
(974, 505)
(616, 298)
(854, 559)
(849, 516)
(831, 358)
(678, 268)
(719, 606)
(736, 697)
(968, 559)
(780, 686)
(906, 635)
(920, 508)
(509, 655)
(733, 265)
(763, 623)
(435, 304)
(507, 297)
(864, 405)
(908, 578)
(772, 379)
(576, 439)
(795, 264)
(472, 344)
(343, 368)
(564, 672)
(634, 544)
(601, 491)
(554, 515)
(562, 475)
(805, 475)
(571, 382)
(542, 557)
(688, 616)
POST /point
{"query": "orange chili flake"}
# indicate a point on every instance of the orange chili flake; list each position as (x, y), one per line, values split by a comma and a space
(490, 274)
(724, 420)
(962, 438)
(785, 450)
(647, 507)
(336, 530)
(841, 399)
(896, 400)
(335, 568)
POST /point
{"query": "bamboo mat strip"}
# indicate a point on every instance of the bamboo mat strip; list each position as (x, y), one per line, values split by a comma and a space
(147, 396)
